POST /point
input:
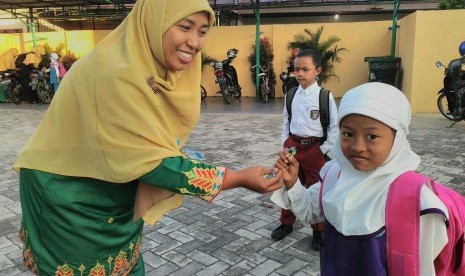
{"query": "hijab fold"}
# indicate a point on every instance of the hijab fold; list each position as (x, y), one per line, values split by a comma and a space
(120, 112)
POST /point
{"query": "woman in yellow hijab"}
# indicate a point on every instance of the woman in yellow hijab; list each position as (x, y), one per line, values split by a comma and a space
(107, 155)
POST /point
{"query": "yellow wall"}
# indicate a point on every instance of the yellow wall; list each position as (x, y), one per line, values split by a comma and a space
(437, 36)
(423, 38)
(361, 39)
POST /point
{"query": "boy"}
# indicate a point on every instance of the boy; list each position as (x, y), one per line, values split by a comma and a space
(304, 132)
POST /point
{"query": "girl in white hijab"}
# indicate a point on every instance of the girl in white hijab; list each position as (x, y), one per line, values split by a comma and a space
(370, 153)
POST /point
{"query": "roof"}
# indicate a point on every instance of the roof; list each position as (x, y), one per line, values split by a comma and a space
(81, 12)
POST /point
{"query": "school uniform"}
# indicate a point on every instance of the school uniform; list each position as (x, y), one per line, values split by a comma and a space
(305, 132)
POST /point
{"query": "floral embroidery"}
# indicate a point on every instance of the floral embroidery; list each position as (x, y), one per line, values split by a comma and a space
(120, 262)
(121, 266)
(64, 270)
(28, 259)
(208, 180)
(97, 270)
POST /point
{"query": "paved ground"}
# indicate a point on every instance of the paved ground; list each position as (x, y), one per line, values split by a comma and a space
(232, 235)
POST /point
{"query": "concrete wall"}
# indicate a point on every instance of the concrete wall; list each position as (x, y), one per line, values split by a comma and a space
(422, 38)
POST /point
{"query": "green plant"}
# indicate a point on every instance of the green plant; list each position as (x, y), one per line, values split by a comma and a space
(451, 4)
(68, 59)
(206, 59)
(327, 49)
(266, 57)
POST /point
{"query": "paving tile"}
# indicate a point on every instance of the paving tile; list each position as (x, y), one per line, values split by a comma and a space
(231, 235)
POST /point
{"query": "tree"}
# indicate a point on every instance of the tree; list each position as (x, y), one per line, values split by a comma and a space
(266, 58)
(451, 4)
(327, 49)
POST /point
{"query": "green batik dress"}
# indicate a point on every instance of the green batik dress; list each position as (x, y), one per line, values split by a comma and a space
(84, 226)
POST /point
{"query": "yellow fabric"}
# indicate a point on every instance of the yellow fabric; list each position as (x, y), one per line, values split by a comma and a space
(105, 121)
(7, 59)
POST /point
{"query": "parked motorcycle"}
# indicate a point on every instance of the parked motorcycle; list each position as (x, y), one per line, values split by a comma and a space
(41, 85)
(451, 100)
(288, 78)
(203, 93)
(10, 80)
(266, 83)
(226, 77)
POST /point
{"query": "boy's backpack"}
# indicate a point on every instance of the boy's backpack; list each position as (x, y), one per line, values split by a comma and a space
(402, 239)
(324, 108)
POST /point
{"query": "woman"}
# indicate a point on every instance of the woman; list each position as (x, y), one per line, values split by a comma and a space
(107, 152)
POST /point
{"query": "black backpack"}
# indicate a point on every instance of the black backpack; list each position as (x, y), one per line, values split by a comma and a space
(324, 108)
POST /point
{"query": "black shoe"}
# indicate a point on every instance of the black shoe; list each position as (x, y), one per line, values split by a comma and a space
(282, 231)
(316, 240)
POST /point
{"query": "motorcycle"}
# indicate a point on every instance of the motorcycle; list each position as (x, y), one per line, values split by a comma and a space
(451, 99)
(203, 93)
(226, 77)
(288, 78)
(266, 83)
(10, 80)
(41, 85)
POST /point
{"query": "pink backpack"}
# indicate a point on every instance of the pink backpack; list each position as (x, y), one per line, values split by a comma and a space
(403, 204)
(62, 70)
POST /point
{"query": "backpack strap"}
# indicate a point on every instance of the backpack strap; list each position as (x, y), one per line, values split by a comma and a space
(324, 112)
(403, 224)
(289, 97)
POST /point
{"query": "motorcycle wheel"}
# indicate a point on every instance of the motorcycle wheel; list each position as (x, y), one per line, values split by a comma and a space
(264, 92)
(203, 93)
(14, 92)
(225, 92)
(44, 95)
(272, 92)
(444, 108)
(238, 94)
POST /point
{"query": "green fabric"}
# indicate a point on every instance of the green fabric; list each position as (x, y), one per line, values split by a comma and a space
(78, 223)
(175, 174)
(2, 94)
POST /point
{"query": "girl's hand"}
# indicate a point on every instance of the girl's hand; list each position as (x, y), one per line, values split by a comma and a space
(289, 166)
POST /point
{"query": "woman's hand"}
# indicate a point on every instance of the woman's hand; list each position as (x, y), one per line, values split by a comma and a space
(289, 166)
(253, 178)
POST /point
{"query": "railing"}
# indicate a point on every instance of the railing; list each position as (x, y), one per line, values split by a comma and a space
(247, 4)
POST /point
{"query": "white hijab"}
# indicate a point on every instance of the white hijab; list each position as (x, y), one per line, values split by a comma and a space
(54, 62)
(356, 204)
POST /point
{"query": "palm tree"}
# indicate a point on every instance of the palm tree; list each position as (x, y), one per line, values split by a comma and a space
(206, 59)
(327, 49)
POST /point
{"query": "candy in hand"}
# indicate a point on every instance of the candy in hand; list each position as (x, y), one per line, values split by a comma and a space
(292, 151)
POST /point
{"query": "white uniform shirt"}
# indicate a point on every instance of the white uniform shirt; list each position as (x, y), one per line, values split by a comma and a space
(305, 204)
(306, 117)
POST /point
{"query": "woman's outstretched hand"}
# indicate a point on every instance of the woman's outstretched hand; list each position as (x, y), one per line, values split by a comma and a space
(289, 166)
(253, 178)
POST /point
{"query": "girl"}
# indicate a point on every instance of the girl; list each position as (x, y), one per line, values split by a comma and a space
(371, 152)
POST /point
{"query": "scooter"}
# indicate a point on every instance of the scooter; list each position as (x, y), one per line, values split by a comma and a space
(10, 80)
(226, 77)
(288, 78)
(39, 83)
(451, 99)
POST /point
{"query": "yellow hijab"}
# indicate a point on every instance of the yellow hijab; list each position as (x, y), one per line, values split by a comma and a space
(116, 116)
